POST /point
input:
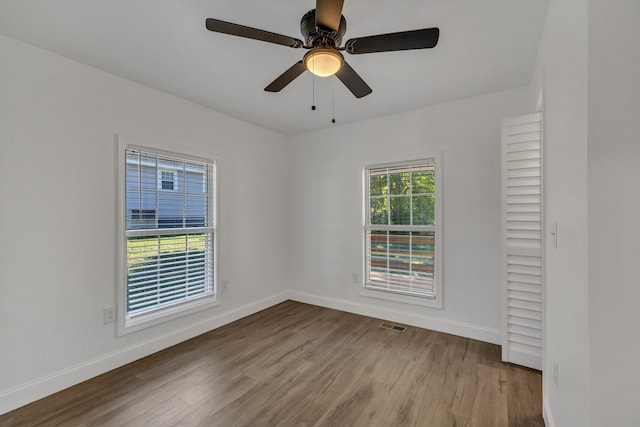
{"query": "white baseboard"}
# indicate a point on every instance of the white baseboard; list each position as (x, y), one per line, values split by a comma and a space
(546, 414)
(524, 359)
(493, 336)
(23, 394)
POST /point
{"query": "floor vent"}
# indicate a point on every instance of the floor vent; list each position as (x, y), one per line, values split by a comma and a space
(393, 327)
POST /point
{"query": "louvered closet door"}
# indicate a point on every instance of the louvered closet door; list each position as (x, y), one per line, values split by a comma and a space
(522, 240)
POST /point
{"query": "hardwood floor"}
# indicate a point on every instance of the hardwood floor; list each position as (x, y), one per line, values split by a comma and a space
(301, 365)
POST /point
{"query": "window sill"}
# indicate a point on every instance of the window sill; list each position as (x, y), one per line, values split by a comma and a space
(401, 298)
(143, 321)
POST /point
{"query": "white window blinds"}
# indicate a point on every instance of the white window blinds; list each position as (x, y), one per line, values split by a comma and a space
(400, 228)
(170, 231)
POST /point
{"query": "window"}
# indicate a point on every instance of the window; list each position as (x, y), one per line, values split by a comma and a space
(169, 236)
(166, 180)
(402, 236)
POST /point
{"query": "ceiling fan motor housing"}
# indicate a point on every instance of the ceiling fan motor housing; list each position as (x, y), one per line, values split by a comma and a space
(317, 36)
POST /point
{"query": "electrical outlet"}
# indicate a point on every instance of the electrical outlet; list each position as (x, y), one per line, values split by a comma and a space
(225, 286)
(555, 373)
(108, 315)
(354, 278)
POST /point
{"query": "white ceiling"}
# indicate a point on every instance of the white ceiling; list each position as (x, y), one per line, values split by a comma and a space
(485, 46)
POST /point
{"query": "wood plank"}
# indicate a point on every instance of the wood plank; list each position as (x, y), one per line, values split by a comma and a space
(490, 406)
(402, 238)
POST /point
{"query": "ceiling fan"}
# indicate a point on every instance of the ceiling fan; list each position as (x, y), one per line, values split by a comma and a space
(323, 28)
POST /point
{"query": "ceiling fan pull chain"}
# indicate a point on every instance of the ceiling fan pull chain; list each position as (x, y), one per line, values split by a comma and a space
(313, 91)
(333, 104)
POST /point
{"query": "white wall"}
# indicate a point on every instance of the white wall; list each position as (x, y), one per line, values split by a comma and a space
(58, 121)
(614, 212)
(561, 71)
(325, 209)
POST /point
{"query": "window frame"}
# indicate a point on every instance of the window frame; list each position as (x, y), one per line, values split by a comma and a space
(131, 323)
(437, 299)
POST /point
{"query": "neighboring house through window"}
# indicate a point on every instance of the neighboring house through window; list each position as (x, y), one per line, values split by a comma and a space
(402, 229)
(169, 236)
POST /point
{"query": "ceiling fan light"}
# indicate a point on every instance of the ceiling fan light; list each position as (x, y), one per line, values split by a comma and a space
(323, 62)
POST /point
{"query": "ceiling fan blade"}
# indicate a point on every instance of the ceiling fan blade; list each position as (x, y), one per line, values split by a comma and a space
(328, 13)
(353, 81)
(405, 40)
(224, 27)
(287, 77)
